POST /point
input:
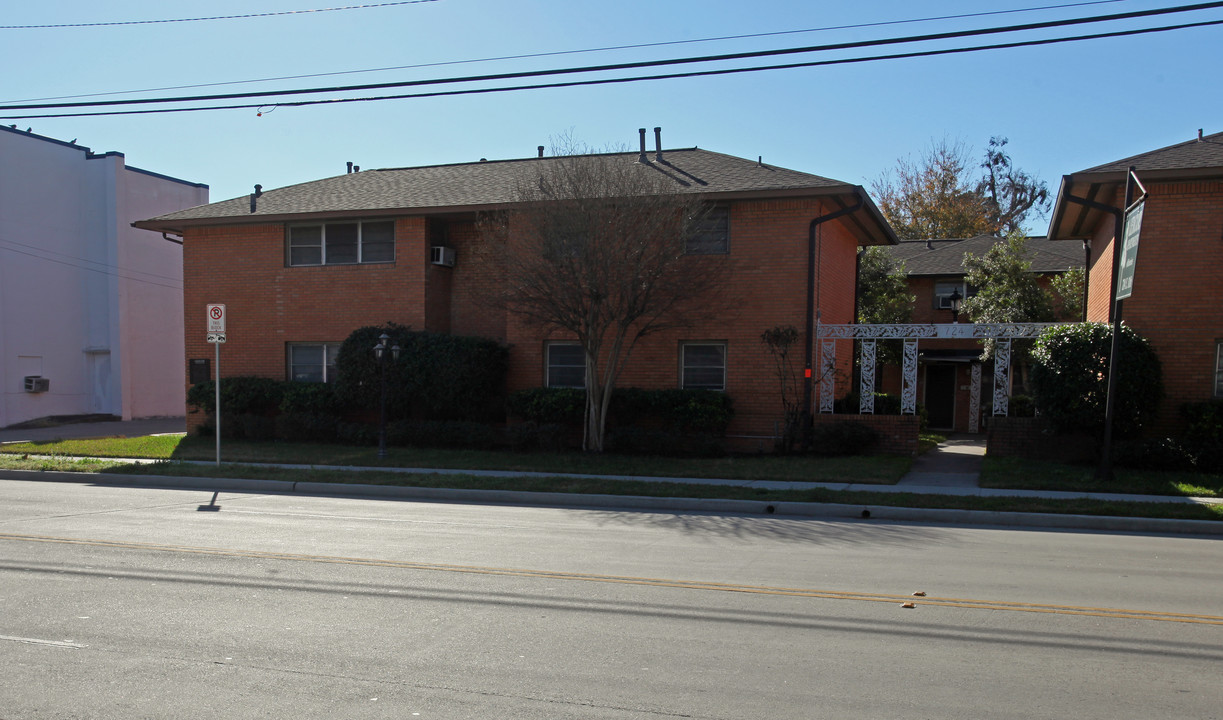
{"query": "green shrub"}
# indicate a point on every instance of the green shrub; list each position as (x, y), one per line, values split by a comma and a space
(1070, 365)
(307, 427)
(1021, 406)
(306, 398)
(241, 395)
(441, 434)
(1154, 454)
(842, 438)
(885, 404)
(437, 377)
(530, 435)
(562, 406)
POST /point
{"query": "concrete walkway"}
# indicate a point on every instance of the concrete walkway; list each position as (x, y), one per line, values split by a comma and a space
(955, 463)
(113, 428)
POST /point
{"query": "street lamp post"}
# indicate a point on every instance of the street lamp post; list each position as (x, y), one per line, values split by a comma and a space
(955, 299)
(380, 354)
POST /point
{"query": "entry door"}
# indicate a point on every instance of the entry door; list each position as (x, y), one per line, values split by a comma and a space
(940, 396)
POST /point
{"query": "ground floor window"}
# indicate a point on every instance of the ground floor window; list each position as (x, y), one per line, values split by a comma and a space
(313, 362)
(703, 366)
(566, 365)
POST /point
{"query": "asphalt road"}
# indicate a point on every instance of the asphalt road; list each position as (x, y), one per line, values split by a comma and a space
(132, 603)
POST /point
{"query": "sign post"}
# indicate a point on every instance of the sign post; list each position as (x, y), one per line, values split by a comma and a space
(216, 336)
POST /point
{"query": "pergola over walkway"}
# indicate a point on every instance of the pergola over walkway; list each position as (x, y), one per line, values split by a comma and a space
(1003, 333)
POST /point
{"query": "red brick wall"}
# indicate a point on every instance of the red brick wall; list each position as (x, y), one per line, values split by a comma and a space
(1177, 301)
(270, 304)
(897, 434)
(1030, 438)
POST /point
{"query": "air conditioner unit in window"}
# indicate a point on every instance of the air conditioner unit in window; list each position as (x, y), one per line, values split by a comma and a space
(443, 256)
(37, 384)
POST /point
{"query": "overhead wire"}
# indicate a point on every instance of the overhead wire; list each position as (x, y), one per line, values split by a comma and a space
(668, 76)
(957, 34)
(104, 270)
(215, 17)
(556, 53)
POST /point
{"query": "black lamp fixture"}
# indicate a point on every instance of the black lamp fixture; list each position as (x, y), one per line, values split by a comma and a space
(955, 299)
(381, 354)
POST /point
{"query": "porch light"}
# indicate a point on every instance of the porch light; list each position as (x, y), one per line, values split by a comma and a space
(955, 299)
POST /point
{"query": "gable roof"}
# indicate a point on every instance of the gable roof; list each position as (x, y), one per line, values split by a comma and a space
(1200, 158)
(925, 258)
(484, 186)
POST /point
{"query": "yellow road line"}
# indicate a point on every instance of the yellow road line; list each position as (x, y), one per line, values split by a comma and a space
(964, 603)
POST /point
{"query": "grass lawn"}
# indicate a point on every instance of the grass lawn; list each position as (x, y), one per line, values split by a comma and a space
(883, 470)
(1025, 474)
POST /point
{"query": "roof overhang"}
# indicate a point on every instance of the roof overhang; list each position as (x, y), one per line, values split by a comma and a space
(1075, 221)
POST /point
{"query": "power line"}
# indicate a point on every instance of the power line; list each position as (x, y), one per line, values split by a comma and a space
(958, 34)
(669, 76)
(555, 53)
(97, 270)
(87, 260)
(215, 17)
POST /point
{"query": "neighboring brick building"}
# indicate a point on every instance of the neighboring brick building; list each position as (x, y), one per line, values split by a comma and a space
(935, 269)
(270, 259)
(1177, 300)
(90, 307)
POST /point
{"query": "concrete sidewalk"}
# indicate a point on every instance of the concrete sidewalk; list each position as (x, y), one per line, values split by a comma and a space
(955, 463)
(110, 428)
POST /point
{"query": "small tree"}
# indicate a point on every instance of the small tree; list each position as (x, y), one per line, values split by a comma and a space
(779, 341)
(596, 249)
(1007, 289)
(884, 297)
(1070, 379)
(1010, 193)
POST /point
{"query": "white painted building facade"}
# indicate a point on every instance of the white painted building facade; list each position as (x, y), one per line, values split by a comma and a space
(89, 305)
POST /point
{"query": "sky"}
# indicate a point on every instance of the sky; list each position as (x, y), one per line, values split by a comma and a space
(1063, 107)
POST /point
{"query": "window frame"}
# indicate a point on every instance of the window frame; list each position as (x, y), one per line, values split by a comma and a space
(549, 365)
(723, 211)
(361, 242)
(966, 291)
(331, 351)
(684, 365)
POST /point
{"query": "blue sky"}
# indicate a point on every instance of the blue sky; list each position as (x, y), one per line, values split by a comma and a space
(1064, 107)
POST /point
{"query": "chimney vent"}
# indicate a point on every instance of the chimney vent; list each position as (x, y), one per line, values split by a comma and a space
(255, 195)
(641, 135)
(356, 168)
(1199, 134)
(541, 150)
(658, 144)
(350, 166)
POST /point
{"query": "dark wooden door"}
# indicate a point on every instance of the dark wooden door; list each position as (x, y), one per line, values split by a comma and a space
(940, 396)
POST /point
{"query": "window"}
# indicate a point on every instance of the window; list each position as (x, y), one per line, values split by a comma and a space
(342, 243)
(712, 233)
(1219, 369)
(566, 365)
(313, 362)
(703, 366)
(943, 290)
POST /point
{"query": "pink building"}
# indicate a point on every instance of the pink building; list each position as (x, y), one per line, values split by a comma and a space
(90, 308)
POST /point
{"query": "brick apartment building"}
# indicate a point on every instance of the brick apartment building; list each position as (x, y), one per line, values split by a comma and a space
(299, 268)
(935, 270)
(1177, 296)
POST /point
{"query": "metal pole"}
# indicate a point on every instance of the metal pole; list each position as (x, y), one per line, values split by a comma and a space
(382, 403)
(1105, 470)
(217, 387)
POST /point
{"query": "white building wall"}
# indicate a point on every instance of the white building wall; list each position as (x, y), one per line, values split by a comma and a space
(82, 293)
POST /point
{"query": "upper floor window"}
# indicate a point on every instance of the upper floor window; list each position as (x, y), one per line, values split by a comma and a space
(342, 243)
(703, 366)
(566, 365)
(313, 362)
(944, 288)
(712, 233)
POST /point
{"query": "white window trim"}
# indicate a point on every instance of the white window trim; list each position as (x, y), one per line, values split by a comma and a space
(326, 351)
(322, 226)
(702, 343)
(548, 364)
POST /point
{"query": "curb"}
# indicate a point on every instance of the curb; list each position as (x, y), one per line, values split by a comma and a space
(862, 513)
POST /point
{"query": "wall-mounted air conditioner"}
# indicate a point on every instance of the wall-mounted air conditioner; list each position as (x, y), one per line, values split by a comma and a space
(37, 384)
(443, 256)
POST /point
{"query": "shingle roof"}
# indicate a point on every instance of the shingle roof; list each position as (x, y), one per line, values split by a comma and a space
(1197, 159)
(946, 257)
(487, 185)
(1194, 154)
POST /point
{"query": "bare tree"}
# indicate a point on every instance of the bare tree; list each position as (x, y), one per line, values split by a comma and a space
(596, 249)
